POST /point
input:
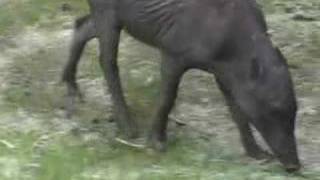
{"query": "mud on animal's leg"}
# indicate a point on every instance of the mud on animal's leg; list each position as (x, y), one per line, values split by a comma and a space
(171, 73)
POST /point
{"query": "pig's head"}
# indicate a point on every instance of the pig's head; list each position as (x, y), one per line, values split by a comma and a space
(276, 103)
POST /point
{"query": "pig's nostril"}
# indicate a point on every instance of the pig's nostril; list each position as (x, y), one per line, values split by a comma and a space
(292, 168)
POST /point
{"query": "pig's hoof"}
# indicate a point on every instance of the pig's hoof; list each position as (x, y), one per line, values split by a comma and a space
(69, 112)
(128, 132)
(81, 97)
(259, 155)
(156, 144)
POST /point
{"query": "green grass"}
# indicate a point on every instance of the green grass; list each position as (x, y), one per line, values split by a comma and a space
(16, 14)
(68, 157)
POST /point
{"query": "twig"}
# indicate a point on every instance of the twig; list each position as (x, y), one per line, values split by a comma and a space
(127, 143)
(7, 144)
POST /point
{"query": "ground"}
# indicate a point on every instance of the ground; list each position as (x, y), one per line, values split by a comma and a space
(37, 142)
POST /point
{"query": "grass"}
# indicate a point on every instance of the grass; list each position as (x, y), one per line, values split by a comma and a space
(16, 14)
(68, 157)
(53, 148)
